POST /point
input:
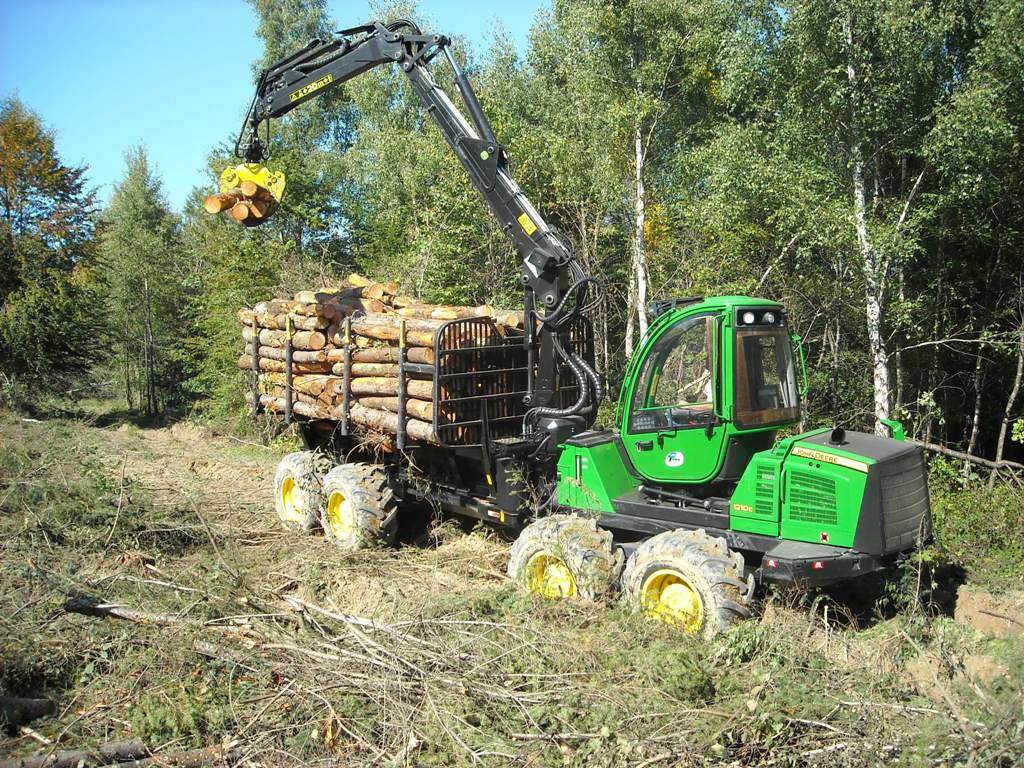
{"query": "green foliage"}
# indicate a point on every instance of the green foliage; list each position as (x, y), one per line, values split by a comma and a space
(49, 296)
(189, 713)
(975, 526)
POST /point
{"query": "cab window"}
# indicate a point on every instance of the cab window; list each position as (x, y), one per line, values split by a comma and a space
(676, 387)
(766, 390)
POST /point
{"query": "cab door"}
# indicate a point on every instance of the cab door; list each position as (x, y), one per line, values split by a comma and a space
(671, 429)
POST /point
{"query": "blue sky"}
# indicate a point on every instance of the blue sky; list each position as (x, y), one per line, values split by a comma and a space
(107, 75)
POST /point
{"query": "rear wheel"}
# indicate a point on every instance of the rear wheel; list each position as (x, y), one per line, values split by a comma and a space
(360, 510)
(565, 556)
(298, 495)
(690, 580)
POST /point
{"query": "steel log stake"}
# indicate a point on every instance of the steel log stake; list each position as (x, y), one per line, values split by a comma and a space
(402, 355)
(255, 367)
(288, 371)
(346, 377)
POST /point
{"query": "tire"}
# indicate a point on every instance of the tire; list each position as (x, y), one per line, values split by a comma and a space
(298, 495)
(565, 556)
(359, 510)
(690, 580)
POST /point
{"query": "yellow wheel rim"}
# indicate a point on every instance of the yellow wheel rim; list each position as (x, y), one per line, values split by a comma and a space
(291, 499)
(547, 576)
(339, 516)
(668, 595)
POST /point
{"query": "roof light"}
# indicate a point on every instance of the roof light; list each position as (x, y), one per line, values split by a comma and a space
(748, 318)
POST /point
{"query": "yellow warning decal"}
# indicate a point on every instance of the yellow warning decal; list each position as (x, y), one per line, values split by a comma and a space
(830, 458)
(527, 224)
(316, 85)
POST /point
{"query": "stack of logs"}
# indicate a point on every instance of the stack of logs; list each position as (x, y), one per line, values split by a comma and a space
(373, 315)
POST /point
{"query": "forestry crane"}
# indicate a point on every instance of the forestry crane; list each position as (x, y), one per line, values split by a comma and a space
(685, 504)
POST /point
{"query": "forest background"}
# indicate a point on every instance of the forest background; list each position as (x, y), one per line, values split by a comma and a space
(859, 161)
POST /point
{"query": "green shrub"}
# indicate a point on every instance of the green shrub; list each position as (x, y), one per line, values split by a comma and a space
(980, 528)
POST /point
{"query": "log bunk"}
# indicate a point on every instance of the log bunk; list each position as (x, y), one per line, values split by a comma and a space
(362, 356)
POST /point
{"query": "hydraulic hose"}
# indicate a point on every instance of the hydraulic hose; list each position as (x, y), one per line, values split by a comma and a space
(582, 379)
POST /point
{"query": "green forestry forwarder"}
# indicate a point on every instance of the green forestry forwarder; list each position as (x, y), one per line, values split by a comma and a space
(686, 504)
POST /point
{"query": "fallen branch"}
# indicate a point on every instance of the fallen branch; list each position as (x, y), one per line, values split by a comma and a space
(965, 456)
(195, 758)
(88, 606)
(115, 752)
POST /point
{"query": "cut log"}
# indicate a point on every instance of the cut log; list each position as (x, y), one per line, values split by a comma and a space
(312, 384)
(218, 203)
(277, 404)
(16, 710)
(298, 322)
(390, 333)
(240, 211)
(306, 297)
(279, 321)
(373, 291)
(298, 355)
(418, 355)
(307, 340)
(259, 209)
(278, 306)
(245, 363)
(509, 318)
(421, 409)
(382, 369)
(253, 190)
(278, 393)
(392, 321)
(443, 312)
(358, 281)
(404, 301)
(381, 385)
(384, 421)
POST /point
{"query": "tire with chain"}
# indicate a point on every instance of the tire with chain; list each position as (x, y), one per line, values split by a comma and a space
(690, 580)
(360, 510)
(566, 556)
(298, 491)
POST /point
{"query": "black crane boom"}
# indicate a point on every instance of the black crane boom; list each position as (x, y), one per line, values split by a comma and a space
(554, 285)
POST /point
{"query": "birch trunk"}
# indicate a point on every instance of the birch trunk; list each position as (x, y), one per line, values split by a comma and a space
(979, 379)
(873, 262)
(1011, 402)
(639, 245)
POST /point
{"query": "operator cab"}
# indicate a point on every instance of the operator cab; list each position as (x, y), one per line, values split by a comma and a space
(712, 383)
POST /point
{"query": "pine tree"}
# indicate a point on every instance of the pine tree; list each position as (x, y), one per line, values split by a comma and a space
(142, 257)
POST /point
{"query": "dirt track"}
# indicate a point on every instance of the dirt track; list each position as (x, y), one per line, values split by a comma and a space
(294, 653)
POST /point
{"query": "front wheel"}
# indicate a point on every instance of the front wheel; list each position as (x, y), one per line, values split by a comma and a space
(565, 556)
(690, 580)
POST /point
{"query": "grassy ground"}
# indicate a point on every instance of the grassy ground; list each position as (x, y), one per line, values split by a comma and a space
(425, 655)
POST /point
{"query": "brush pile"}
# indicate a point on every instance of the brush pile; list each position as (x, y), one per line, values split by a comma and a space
(358, 328)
